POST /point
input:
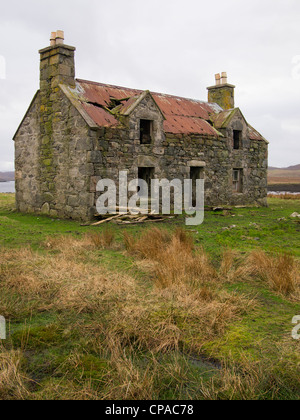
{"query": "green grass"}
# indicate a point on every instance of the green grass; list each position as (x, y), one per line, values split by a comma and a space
(242, 229)
(113, 350)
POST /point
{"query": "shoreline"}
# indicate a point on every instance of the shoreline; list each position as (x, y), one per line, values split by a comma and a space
(293, 188)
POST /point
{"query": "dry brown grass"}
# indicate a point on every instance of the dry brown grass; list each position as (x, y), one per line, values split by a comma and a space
(103, 240)
(152, 243)
(178, 265)
(12, 380)
(175, 261)
(236, 382)
(91, 241)
(281, 272)
(31, 281)
(126, 380)
(285, 196)
(64, 389)
(233, 268)
(188, 285)
(256, 380)
(187, 308)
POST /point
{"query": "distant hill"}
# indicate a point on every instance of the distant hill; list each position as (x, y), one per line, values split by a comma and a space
(290, 168)
(290, 175)
(7, 176)
(294, 168)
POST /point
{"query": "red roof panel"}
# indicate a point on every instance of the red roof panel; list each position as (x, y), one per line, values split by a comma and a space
(101, 117)
(182, 115)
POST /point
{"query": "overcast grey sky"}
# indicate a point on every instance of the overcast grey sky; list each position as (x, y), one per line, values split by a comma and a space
(169, 46)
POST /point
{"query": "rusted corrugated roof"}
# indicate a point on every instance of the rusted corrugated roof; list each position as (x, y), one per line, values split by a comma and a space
(180, 125)
(101, 103)
(183, 116)
(255, 135)
(100, 116)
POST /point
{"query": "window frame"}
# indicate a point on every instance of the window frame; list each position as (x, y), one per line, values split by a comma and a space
(237, 182)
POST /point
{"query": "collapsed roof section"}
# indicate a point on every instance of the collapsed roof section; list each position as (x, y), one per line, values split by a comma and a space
(102, 106)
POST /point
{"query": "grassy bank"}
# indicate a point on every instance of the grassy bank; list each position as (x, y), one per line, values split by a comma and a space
(151, 313)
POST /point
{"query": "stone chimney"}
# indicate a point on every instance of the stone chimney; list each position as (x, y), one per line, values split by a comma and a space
(57, 63)
(222, 93)
(57, 67)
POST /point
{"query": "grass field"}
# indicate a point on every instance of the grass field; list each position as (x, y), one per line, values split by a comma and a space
(143, 312)
(283, 176)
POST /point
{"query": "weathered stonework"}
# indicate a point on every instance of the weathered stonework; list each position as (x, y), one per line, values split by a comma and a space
(62, 151)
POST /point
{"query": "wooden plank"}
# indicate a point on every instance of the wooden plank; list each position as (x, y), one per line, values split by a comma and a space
(106, 220)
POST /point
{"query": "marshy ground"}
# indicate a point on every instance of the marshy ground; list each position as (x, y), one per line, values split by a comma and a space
(143, 312)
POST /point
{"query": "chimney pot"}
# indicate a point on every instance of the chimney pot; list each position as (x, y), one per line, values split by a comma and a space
(218, 79)
(224, 78)
(52, 39)
(60, 37)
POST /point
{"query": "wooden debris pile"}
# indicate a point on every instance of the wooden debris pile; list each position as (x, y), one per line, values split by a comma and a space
(125, 217)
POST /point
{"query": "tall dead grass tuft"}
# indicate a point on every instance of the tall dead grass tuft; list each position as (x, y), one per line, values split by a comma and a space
(102, 240)
(185, 239)
(232, 267)
(174, 257)
(150, 245)
(179, 265)
(280, 271)
(12, 380)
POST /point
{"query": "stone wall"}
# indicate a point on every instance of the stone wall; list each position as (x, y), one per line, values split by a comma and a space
(172, 156)
(27, 160)
(54, 166)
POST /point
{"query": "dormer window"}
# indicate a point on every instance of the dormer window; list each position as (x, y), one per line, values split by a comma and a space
(146, 128)
(237, 139)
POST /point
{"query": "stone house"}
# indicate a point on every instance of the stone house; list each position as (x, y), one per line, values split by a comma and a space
(77, 132)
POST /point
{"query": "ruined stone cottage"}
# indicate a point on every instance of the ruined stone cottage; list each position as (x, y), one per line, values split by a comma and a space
(77, 132)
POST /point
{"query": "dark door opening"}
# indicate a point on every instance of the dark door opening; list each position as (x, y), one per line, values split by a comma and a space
(195, 173)
(147, 174)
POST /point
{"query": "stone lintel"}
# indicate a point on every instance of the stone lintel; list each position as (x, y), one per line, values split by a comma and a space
(196, 164)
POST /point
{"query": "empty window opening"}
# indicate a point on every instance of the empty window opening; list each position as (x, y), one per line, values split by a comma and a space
(195, 173)
(237, 140)
(237, 181)
(146, 174)
(146, 131)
